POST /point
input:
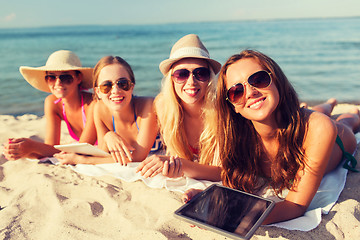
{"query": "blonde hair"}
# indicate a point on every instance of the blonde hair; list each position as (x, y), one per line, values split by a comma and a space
(209, 146)
(171, 117)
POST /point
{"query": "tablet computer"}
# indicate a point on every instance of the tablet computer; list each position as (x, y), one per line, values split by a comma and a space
(233, 213)
(83, 148)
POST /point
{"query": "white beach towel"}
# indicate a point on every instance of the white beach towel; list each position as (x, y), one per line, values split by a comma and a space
(128, 174)
(325, 198)
(330, 188)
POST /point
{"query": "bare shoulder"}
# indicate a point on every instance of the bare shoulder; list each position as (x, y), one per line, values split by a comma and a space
(101, 111)
(159, 103)
(88, 97)
(143, 105)
(159, 99)
(320, 120)
(50, 99)
(320, 125)
(100, 107)
(50, 104)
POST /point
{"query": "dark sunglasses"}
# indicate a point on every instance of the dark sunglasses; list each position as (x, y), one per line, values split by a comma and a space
(64, 78)
(260, 79)
(123, 83)
(202, 74)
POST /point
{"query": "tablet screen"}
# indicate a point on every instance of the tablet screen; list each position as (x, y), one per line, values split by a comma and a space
(227, 211)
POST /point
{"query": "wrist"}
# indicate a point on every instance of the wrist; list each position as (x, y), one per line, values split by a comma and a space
(82, 159)
(107, 133)
(181, 167)
(30, 146)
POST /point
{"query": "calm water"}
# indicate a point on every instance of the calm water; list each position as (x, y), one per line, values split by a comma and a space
(321, 57)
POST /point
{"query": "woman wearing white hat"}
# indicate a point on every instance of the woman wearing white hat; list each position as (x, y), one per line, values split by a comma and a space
(64, 77)
(187, 88)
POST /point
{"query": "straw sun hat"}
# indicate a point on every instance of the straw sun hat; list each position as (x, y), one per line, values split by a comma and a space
(189, 46)
(62, 60)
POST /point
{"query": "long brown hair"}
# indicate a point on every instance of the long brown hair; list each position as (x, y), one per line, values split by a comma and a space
(242, 151)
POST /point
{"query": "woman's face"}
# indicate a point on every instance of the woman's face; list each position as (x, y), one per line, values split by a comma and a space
(63, 83)
(257, 104)
(191, 91)
(115, 96)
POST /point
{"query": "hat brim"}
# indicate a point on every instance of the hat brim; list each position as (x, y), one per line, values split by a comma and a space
(166, 64)
(36, 76)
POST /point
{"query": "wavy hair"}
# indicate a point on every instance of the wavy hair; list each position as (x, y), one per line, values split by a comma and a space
(171, 116)
(242, 149)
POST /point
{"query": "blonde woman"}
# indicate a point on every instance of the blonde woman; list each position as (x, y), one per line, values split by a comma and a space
(126, 124)
(64, 77)
(187, 88)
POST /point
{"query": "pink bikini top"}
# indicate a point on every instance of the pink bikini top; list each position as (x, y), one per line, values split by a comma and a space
(193, 150)
(71, 132)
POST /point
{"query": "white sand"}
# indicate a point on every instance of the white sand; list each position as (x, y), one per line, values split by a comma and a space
(41, 201)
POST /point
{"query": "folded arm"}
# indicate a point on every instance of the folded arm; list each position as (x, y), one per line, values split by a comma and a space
(318, 147)
(156, 164)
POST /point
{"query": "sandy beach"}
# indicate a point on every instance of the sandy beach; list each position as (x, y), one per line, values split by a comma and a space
(44, 201)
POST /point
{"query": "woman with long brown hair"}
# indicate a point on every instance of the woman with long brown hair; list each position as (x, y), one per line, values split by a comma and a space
(268, 139)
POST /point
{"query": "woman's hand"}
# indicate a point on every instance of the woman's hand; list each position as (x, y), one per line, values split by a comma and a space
(155, 164)
(189, 194)
(16, 148)
(118, 148)
(152, 165)
(69, 158)
(173, 168)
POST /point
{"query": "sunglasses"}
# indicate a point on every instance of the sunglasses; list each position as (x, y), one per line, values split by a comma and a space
(123, 83)
(64, 78)
(201, 74)
(260, 79)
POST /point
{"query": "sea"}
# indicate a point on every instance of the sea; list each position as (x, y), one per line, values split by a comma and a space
(321, 57)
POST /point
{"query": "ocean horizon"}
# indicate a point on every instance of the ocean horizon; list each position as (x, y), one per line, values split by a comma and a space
(317, 55)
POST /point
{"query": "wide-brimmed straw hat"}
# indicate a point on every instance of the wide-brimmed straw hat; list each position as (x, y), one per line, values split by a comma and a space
(62, 60)
(189, 46)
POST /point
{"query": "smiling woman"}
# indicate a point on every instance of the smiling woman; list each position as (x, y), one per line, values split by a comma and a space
(189, 76)
(126, 125)
(64, 77)
(269, 140)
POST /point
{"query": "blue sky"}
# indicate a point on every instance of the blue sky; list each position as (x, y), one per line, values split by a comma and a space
(35, 13)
